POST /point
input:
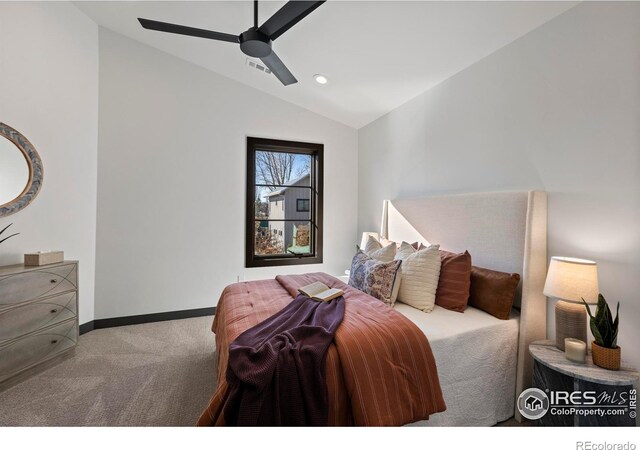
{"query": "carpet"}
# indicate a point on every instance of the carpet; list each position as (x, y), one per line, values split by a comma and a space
(155, 374)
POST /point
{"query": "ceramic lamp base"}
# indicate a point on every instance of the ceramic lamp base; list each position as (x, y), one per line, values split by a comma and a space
(571, 322)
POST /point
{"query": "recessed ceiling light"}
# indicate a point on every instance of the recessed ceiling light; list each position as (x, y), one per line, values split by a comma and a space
(320, 79)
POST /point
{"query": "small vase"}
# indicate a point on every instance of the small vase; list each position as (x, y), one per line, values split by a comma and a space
(607, 358)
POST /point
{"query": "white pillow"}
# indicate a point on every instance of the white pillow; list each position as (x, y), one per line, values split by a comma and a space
(372, 245)
(375, 250)
(420, 274)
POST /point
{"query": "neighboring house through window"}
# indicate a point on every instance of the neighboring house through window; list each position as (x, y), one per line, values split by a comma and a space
(284, 203)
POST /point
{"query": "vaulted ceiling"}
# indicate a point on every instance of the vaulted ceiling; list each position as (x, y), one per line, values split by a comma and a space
(376, 54)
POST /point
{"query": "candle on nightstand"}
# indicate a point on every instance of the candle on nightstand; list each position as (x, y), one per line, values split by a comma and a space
(575, 350)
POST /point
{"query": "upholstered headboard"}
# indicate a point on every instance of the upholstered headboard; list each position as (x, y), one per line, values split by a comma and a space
(505, 231)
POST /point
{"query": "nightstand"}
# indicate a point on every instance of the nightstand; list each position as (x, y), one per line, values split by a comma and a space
(575, 390)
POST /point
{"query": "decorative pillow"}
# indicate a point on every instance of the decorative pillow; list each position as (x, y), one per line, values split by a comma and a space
(493, 291)
(372, 245)
(373, 277)
(420, 273)
(455, 280)
(385, 242)
(376, 251)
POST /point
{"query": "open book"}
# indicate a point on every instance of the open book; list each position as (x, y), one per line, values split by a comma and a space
(320, 291)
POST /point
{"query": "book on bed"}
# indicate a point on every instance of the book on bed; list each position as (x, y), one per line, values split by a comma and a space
(320, 292)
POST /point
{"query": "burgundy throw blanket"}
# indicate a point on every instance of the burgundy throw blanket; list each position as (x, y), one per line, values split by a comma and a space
(276, 371)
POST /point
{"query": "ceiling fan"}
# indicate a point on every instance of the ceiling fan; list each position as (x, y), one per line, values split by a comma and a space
(256, 41)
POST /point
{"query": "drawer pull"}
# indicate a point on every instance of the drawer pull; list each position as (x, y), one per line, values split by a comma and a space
(54, 341)
(54, 281)
(53, 311)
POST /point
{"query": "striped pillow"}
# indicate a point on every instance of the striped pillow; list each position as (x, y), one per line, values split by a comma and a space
(455, 281)
(420, 272)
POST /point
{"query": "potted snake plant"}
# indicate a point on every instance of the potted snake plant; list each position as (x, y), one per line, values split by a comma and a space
(604, 348)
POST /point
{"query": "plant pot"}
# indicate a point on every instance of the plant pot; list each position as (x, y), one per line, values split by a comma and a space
(607, 358)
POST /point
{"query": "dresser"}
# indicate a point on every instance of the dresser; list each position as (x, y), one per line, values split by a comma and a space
(38, 317)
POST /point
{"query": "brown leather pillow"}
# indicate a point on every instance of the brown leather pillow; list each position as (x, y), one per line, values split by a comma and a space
(455, 280)
(493, 291)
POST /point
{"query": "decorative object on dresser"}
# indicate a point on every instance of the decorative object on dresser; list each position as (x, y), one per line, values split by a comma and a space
(38, 317)
(604, 328)
(20, 171)
(571, 280)
(43, 258)
(553, 373)
(2, 239)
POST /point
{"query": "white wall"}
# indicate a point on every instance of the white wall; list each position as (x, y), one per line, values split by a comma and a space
(49, 92)
(171, 180)
(559, 110)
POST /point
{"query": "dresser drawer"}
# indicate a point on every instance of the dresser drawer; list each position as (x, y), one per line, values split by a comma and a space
(36, 348)
(34, 284)
(24, 319)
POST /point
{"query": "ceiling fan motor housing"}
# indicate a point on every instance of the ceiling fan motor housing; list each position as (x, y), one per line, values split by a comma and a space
(255, 43)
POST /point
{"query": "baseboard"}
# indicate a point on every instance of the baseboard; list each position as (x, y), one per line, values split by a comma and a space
(86, 327)
(145, 318)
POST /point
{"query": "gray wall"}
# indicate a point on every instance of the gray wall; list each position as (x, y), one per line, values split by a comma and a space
(171, 180)
(559, 110)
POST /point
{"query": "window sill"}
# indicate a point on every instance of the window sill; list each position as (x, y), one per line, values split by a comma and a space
(272, 262)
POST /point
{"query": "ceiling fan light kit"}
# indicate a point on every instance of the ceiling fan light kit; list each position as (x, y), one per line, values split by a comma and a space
(257, 40)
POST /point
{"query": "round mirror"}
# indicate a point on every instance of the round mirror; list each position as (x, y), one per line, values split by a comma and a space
(14, 171)
(20, 171)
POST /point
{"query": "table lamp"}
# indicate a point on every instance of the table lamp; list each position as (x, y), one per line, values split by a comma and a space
(570, 280)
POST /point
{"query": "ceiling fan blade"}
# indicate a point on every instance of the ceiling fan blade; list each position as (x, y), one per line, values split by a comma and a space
(287, 16)
(187, 31)
(278, 68)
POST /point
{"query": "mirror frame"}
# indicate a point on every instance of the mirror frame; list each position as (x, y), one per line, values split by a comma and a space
(36, 171)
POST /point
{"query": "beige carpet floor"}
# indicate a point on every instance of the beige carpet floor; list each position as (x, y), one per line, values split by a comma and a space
(155, 374)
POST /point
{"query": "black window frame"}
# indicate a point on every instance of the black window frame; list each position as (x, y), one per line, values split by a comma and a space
(316, 151)
(304, 209)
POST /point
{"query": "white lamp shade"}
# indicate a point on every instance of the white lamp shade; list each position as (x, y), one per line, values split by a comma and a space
(365, 238)
(572, 279)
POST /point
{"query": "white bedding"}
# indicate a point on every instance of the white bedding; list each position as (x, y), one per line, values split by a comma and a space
(476, 355)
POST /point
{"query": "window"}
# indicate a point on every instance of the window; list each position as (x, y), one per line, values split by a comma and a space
(284, 203)
(302, 205)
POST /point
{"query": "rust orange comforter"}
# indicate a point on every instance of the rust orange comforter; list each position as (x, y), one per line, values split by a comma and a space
(380, 370)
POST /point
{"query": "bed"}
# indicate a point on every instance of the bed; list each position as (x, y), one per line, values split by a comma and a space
(504, 231)
(476, 356)
(482, 362)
